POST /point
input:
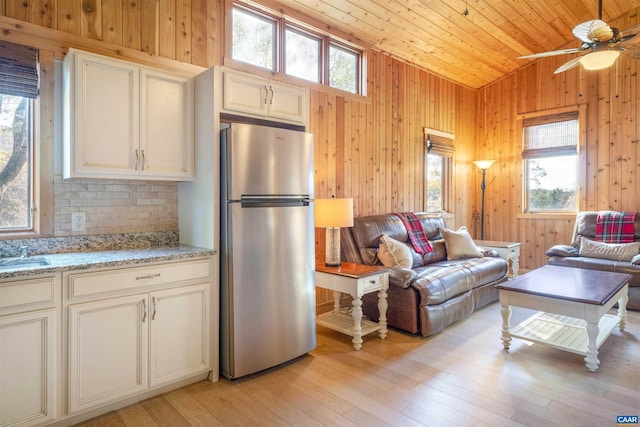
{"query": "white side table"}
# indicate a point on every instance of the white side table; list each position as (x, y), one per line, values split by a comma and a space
(355, 280)
(509, 251)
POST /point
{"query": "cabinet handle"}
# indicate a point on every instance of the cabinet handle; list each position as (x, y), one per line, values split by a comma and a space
(155, 303)
(271, 91)
(143, 160)
(266, 94)
(137, 160)
(148, 276)
(144, 306)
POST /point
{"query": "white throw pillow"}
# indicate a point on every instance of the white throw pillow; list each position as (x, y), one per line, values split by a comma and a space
(611, 251)
(393, 253)
(459, 244)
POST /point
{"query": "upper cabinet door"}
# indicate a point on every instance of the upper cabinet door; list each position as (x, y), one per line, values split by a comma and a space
(104, 114)
(166, 132)
(245, 94)
(287, 102)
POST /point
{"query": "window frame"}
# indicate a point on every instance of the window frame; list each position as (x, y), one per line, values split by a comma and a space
(284, 21)
(580, 156)
(443, 146)
(42, 156)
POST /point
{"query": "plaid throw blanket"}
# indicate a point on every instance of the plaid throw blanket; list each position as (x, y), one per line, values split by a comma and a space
(615, 227)
(417, 237)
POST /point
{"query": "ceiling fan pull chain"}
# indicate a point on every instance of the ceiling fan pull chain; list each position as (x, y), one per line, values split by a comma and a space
(617, 65)
(580, 91)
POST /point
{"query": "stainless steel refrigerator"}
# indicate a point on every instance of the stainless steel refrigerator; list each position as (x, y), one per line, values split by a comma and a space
(267, 267)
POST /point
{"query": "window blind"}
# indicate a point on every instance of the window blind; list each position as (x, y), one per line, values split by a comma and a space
(550, 135)
(441, 146)
(18, 70)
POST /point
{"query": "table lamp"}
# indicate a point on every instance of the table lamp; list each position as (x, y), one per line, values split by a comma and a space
(483, 165)
(333, 214)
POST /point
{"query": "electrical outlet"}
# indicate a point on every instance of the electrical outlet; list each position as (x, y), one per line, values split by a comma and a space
(78, 221)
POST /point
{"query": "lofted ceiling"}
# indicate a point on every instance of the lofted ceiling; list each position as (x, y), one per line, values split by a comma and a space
(472, 49)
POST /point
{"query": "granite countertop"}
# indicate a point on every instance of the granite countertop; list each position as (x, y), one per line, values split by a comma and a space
(98, 259)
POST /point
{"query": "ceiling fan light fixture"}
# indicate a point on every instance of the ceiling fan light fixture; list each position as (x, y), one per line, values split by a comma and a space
(599, 60)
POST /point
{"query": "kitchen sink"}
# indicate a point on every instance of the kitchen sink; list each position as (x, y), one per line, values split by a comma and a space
(11, 263)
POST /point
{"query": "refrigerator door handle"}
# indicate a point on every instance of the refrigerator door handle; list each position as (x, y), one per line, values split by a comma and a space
(271, 203)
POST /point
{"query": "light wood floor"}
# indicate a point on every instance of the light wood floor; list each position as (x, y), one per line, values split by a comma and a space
(460, 377)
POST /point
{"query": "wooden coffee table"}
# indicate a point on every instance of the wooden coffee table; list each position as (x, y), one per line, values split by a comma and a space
(573, 304)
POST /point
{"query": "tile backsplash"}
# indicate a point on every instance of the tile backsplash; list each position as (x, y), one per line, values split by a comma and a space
(115, 206)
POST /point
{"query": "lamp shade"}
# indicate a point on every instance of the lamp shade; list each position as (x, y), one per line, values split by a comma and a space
(599, 60)
(483, 164)
(334, 212)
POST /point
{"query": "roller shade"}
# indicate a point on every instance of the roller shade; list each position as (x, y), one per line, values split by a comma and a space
(550, 135)
(18, 70)
(440, 145)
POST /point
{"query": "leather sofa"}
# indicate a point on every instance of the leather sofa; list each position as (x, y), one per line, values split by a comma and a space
(569, 255)
(435, 292)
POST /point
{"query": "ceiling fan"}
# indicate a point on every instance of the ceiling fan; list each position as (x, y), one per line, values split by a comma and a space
(603, 43)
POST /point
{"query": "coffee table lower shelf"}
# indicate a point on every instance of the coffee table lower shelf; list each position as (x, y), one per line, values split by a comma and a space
(343, 322)
(563, 332)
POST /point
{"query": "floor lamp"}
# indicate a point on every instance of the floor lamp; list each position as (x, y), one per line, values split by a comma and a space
(483, 165)
(333, 214)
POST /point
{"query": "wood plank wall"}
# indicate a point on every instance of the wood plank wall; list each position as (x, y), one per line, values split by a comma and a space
(612, 149)
(371, 148)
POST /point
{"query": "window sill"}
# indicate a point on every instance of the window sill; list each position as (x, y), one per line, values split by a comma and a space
(550, 215)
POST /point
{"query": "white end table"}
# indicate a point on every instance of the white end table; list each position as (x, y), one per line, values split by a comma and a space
(508, 251)
(355, 280)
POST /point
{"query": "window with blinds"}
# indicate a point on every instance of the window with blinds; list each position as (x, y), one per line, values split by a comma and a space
(439, 151)
(18, 70)
(19, 86)
(550, 155)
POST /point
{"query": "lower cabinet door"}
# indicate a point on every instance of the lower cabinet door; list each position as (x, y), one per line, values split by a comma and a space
(108, 350)
(180, 328)
(28, 368)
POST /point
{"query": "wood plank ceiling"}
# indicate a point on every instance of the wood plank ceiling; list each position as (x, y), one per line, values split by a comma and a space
(472, 49)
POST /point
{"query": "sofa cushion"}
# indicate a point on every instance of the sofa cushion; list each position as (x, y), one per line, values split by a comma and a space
(610, 251)
(393, 253)
(444, 280)
(459, 244)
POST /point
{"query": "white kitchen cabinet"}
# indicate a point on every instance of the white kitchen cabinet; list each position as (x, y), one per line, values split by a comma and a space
(166, 128)
(29, 336)
(263, 98)
(180, 331)
(107, 350)
(123, 120)
(137, 328)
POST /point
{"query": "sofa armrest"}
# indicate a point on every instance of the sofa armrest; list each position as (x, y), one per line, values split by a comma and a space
(562, 250)
(401, 277)
(636, 260)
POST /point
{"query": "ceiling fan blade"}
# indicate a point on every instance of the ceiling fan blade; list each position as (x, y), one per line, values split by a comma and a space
(629, 32)
(593, 31)
(572, 63)
(629, 42)
(551, 53)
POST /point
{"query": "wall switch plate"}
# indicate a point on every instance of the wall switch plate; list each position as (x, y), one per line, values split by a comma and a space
(78, 221)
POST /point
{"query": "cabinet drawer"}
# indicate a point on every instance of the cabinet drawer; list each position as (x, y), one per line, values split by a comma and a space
(372, 283)
(97, 282)
(16, 293)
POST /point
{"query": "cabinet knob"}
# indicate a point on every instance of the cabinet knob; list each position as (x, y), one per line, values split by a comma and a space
(142, 163)
(137, 160)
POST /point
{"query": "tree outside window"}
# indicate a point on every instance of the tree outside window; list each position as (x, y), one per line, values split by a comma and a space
(15, 185)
